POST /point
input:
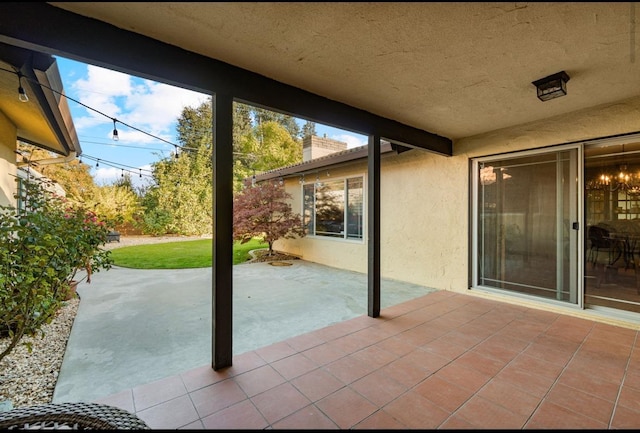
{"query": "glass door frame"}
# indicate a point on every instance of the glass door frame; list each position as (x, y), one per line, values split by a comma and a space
(576, 241)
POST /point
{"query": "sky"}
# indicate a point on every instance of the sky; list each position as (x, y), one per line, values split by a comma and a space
(146, 114)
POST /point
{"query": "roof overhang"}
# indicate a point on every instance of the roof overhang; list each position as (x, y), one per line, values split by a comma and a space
(328, 161)
(45, 119)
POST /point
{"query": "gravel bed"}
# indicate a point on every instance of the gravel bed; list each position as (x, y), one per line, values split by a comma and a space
(27, 379)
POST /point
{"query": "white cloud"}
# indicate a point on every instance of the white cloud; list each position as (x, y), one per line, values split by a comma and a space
(145, 105)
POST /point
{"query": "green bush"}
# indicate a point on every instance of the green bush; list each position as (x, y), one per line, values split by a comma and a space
(44, 244)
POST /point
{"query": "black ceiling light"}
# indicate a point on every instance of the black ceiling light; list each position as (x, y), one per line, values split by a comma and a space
(552, 86)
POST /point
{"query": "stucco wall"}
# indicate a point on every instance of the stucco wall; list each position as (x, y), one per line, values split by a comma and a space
(425, 198)
(7, 161)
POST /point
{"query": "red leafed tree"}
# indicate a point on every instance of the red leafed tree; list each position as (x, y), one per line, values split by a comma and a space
(262, 211)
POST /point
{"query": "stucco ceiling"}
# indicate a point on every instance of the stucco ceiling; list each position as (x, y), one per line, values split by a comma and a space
(454, 69)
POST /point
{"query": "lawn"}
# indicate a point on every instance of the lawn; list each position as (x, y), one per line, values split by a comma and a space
(177, 255)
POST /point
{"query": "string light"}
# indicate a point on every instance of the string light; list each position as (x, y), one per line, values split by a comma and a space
(115, 131)
(22, 95)
(98, 163)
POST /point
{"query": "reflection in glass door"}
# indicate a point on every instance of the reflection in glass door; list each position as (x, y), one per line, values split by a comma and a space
(612, 216)
(525, 224)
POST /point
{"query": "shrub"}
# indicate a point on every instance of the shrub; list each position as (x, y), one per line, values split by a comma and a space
(44, 244)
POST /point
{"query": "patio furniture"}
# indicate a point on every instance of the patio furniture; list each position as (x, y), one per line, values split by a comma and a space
(70, 416)
(113, 236)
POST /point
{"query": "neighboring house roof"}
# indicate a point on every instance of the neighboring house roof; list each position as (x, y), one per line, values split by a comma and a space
(337, 158)
(45, 120)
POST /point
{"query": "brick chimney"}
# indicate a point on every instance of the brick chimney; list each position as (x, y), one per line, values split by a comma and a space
(315, 147)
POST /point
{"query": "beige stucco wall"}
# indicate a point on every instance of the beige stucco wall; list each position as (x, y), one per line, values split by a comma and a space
(7, 161)
(425, 199)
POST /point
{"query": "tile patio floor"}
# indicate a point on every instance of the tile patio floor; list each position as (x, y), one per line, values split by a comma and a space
(441, 361)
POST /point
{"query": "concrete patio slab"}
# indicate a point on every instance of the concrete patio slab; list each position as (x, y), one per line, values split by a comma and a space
(137, 326)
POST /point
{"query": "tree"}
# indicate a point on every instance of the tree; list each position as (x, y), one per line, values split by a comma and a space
(308, 129)
(262, 211)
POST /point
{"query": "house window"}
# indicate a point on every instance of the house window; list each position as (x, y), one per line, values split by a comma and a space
(334, 208)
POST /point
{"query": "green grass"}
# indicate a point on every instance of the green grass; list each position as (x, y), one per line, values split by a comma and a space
(177, 255)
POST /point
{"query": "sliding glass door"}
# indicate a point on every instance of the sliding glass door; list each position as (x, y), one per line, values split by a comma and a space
(526, 224)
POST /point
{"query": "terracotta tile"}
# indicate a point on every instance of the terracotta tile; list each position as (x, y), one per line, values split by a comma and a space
(395, 346)
(501, 348)
(444, 348)
(380, 420)
(351, 343)
(416, 412)
(216, 397)
(349, 369)
(378, 388)
(303, 342)
(406, 372)
(243, 415)
(632, 378)
(609, 333)
(242, 363)
(510, 397)
(201, 377)
(552, 349)
(533, 384)
(443, 393)
(375, 356)
(625, 418)
(591, 383)
(280, 402)
(462, 376)
(259, 380)
(170, 415)
(482, 363)
(466, 341)
(629, 398)
(536, 366)
(397, 325)
(324, 354)
(294, 366)
(346, 408)
(421, 334)
(570, 328)
(524, 329)
(485, 414)
(457, 423)
(153, 393)
(196, 425)
(581, 402)
(123, 400)
(307, 418)
(317, 384)
(275, 352)
(552, 416)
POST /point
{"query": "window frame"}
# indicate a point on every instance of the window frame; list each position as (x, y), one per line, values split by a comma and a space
(344, 235)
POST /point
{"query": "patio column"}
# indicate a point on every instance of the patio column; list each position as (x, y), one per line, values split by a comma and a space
(373, 226)
(222, 291)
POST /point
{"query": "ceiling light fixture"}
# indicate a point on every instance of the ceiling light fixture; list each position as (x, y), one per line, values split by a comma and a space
(552, 86)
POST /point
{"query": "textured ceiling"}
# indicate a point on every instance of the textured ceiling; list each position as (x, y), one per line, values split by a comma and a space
(454, 69)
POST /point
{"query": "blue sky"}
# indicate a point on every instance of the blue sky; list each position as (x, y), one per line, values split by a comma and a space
(97, 95)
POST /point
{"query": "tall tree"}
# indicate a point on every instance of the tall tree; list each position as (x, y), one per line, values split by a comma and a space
(308, 129)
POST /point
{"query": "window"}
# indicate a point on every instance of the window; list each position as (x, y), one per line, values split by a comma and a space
(334, 208)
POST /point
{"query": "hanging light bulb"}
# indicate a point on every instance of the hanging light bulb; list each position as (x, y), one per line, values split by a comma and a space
(140, 173)
(115, 131)
(176, 154)
(121, 172)
(98, 163)
(22, 95)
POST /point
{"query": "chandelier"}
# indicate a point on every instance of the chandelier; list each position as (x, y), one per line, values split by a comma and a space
(623, 181)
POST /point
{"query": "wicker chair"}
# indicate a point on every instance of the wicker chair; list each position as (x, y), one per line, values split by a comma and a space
(70, 416)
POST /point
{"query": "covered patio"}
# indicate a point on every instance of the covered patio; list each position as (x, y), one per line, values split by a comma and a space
(441, 361)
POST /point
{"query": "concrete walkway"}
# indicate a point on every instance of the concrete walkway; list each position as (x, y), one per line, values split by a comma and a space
(137, 326)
